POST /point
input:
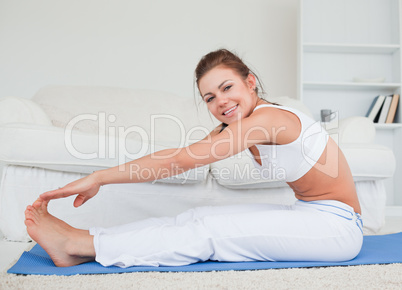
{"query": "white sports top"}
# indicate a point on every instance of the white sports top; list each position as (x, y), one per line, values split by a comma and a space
(291, 161)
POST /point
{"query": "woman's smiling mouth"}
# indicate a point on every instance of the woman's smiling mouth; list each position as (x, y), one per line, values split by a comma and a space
(229, 112)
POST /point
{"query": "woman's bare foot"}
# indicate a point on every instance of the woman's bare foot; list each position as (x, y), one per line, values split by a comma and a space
(66, 246)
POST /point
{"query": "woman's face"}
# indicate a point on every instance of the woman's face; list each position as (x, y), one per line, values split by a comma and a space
(228, 96)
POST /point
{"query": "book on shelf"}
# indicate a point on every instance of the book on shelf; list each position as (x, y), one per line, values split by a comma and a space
(384, 110)
(375, 108)
(392, 109)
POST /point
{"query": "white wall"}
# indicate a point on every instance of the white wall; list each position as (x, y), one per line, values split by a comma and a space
(142, 44)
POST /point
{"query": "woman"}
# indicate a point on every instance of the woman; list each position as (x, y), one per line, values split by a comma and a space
(323, 225)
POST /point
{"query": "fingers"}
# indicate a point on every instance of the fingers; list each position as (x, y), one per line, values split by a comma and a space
(55, 194)
(85, 189)
(79, 200)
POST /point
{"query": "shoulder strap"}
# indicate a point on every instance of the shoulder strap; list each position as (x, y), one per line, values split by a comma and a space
(264, 105)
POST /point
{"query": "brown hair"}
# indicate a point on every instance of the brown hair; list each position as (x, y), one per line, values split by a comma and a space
(228, 59)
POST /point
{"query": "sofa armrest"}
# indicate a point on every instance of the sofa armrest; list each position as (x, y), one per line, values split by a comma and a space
(21, 110)
(356, 130)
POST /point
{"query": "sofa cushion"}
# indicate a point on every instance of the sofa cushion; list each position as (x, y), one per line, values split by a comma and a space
(354, 129)
(54, 148)
(369, 161)
(153, 115)
(21, 110)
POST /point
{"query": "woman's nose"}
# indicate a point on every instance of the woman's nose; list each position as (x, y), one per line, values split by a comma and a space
(222, 100)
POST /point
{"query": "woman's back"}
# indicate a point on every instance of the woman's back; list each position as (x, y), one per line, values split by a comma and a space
(311, 162)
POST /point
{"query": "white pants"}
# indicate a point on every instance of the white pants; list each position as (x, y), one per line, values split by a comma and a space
(306, 231)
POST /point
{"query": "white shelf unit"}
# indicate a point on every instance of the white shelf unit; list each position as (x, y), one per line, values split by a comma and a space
(341, 40)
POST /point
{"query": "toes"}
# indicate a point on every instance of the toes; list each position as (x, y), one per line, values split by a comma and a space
(37, 203)
(33, 212)
(29, 223)
(29, 210)
(31, 216)
(40, 206)
(44, 206)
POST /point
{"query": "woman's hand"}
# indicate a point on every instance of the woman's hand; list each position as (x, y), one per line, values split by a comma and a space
(86, 188)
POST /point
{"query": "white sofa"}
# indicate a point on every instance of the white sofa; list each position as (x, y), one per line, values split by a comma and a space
(66, 132)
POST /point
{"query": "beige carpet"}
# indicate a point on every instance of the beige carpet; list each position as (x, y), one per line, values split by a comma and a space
(358, 277)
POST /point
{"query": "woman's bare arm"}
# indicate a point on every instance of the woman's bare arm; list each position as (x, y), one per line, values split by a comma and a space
(162, 164)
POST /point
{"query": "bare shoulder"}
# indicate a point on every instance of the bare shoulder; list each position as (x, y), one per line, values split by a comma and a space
(285, 125)
(275, 116)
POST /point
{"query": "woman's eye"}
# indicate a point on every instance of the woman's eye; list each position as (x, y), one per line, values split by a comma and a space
(227, 88)
(209, 99)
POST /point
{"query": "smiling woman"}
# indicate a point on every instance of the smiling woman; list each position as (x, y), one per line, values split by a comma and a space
(323, 225)
(224, 57)
(231, 99)
(234, 73)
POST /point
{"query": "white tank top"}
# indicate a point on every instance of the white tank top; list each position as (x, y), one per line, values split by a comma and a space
(291, 161)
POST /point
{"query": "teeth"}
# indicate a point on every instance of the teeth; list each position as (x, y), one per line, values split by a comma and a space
(230, 110)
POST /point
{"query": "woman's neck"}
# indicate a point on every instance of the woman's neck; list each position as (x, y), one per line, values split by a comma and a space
(262, 102)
